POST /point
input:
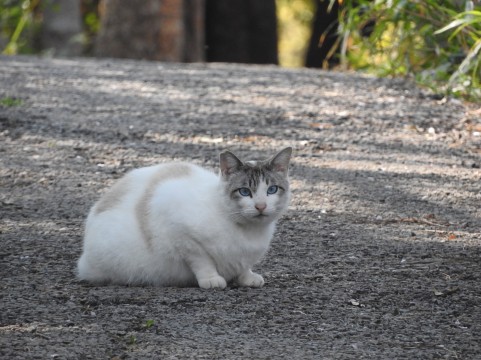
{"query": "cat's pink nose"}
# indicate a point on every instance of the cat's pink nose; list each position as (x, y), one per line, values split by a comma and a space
(261, 207)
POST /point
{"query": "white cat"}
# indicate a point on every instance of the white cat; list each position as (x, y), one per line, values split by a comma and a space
(178, 224)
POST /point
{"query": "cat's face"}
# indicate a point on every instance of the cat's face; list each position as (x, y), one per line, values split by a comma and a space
(256, 192)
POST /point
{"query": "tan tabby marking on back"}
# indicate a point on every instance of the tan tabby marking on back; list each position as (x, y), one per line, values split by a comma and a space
(113, 196)
(168, 172)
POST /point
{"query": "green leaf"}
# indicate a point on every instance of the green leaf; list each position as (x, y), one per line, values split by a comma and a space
(450, 26)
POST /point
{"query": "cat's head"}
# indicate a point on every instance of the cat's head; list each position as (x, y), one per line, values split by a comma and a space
(255, 191)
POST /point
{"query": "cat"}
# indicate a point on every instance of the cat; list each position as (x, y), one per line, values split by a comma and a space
(178, 224)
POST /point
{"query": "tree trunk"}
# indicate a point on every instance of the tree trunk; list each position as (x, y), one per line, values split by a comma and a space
(166, 30)
(243, 31)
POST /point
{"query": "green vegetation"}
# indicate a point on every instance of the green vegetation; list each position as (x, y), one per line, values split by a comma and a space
(18, 21)
(91, 24)
(9, 101)
(438, 43)
(149, 323)
(21, 21)
(131, 340)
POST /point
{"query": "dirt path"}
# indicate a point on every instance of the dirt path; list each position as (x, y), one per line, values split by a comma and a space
(378, 257)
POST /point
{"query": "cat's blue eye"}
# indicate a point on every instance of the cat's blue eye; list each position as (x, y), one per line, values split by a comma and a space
(244, 191)
(272, 189)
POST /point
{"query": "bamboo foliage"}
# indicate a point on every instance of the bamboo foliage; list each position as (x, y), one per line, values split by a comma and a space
(436, 42)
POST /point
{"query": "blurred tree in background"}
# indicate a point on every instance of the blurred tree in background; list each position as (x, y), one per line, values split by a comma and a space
(436, 42)
(165, 30)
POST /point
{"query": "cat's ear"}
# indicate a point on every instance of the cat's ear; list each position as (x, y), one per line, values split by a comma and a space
(280, 162)
(229, 163)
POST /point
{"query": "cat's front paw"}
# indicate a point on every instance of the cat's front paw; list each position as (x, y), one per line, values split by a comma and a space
(250, 279)
(213, 282)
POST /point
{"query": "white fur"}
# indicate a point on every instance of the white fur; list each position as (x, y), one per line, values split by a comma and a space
(189, 233)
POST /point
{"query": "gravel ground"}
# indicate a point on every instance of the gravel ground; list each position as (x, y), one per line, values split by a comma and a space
(378, 256)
